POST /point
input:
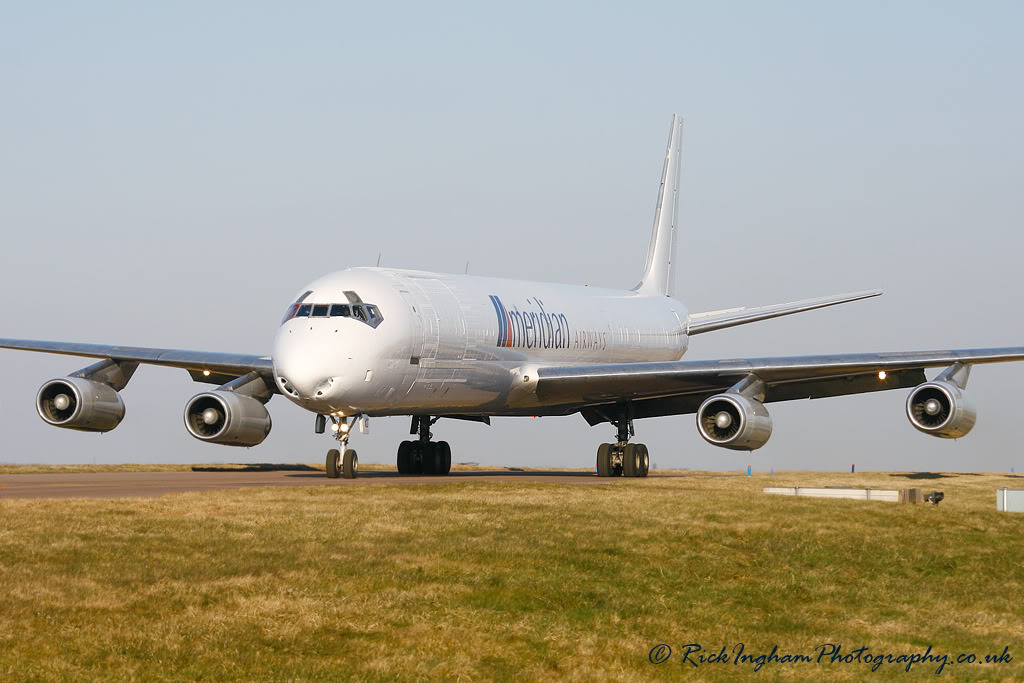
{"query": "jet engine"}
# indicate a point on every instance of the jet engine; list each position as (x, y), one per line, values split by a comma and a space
(734, 421)
(227, 418)
(79, 403)
(941, 409)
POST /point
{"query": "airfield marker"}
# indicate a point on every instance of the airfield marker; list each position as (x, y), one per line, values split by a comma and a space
(748, 470)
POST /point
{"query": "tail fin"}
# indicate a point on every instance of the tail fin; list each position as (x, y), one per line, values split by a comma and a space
(657, 279)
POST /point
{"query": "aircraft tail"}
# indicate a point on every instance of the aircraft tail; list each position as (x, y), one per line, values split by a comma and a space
(657, 279)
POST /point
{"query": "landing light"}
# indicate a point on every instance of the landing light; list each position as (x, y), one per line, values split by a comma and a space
(882, 375)
(334, 427)
(206, 373)
(344, 427)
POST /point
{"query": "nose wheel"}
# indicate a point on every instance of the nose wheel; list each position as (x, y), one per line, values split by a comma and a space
(342, 465)
(341, 462)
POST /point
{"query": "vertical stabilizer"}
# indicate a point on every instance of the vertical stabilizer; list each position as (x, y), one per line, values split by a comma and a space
(657, 279)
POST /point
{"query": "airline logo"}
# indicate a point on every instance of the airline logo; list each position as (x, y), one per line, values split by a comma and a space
(528, 329)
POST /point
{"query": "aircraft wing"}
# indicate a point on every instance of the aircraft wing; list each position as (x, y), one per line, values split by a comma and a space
(699, 323)
(679, 387)
(222, 367)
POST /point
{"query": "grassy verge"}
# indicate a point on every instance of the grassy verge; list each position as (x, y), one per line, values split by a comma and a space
(508, 581)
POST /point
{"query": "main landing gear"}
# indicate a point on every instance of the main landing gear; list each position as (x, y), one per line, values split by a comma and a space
(623, 459)
(341, 462)
(424, 456)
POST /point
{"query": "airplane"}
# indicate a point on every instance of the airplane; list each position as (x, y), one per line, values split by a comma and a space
(374, 342)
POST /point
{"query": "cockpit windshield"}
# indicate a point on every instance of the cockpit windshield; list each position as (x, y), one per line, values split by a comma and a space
(363, 312)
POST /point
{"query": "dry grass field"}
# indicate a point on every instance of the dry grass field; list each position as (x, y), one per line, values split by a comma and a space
(511, 581)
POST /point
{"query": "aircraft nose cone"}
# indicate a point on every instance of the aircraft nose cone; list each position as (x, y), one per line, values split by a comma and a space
(297, 380)
(300, 371)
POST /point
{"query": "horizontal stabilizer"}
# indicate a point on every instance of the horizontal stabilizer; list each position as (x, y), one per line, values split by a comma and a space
(719, 320)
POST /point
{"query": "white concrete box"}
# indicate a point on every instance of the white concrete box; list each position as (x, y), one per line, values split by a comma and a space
(1010, 500)
(886, 495)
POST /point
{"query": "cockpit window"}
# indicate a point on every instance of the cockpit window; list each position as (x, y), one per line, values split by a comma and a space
(363, 312)
(290, 313)
(294, 309)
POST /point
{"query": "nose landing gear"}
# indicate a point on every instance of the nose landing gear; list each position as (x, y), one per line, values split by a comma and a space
(342, 462)
(424, 456)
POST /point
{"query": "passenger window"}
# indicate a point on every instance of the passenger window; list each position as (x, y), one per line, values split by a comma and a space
(358, 313)
(340, 310)
(304, 311)
(320, 310)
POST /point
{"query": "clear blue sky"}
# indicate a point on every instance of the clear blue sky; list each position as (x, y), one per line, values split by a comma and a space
(172, 173)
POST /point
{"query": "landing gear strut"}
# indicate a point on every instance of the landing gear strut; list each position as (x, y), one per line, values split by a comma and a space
(343, 462)
(424, 456)
(623, 459)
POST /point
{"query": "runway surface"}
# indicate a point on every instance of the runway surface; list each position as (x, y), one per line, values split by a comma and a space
(135, 484)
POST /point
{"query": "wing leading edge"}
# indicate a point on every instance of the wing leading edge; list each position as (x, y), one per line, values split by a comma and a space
(785, 378)
(204, 366)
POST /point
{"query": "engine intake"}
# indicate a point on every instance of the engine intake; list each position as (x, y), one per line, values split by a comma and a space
(227, 418)
(734, 421)
(941, 409)
(81, 404)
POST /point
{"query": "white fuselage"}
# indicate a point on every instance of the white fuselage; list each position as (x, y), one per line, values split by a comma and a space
(440, 344)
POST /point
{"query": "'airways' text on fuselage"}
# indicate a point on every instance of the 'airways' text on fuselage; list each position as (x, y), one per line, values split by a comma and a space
(530, 329)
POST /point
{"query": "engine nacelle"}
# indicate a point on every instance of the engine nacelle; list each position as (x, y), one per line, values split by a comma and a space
(734, 421)
(78, 403)
(227, 418)
(941, 409)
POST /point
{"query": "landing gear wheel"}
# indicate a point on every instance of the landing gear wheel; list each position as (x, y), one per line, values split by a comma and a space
(350, 464)
(333, 463)
(645, 460)
(405, 457)
(431, 458)
(604, 460)
(446, 457)
(629, 460)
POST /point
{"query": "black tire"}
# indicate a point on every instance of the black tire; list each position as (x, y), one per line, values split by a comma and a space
(405, 457)
(629, 460)
(604, 460)
(416, 458)
(645, 460)
(446, 457)
(333, 463)
(350, 464)
(431, 458)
